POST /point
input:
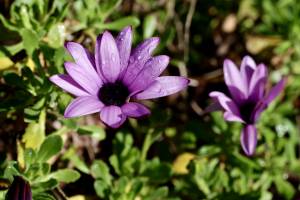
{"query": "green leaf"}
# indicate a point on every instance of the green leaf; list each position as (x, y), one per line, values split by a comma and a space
(43, 196)
(121, 23)
(65, 175)
(149, 26)
(51, 146)
(95, 131)
(14, 49)
(76, 161)
(101, 188)
(30, 40)
(135, 189)
(107, 6)
(159, 193)
(35, 132)
(45, 186)
(157, 172)
(56, 35)
(284, 187)
(101, 171)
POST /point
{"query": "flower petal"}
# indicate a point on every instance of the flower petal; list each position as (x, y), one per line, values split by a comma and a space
(152, 69)
(230, 117)
(228, 105)
(257, 83)
(133, 109)
(138, 58)
(163, 86)
(81, 55)
(107, 57)
(234, 82)
(248, 66)
(68, 84)
(80, 75)
(83, 106)
(123, 41)
(249, 139)
(112, 116)
(274, 92)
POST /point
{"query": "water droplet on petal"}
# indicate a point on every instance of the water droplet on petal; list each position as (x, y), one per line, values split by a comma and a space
(131, 59)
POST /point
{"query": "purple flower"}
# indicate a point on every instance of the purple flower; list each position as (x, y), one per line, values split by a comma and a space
(107, 81)
(248, 99)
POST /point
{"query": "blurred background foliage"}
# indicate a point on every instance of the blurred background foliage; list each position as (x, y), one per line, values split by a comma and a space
(179, 152)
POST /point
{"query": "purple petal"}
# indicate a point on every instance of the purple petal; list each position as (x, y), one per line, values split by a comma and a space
(237, 87)
(107, 57)
(81, 55)
(83, 78)
(138, 58)
(83, 106)
(152, 69)
(68, 84)
(132, 109)
(112, 116)
(247, 68)
(230, 117)
(163, 86)
(249, 139)
(257, 83)
(232, 111)
(123, 41)
(274, 92)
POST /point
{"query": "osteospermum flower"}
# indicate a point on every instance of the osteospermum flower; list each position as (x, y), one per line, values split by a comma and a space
(248, 98)
(107, 81)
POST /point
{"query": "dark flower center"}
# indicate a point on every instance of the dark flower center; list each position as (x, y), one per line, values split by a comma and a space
(113, 94)
(246, 111)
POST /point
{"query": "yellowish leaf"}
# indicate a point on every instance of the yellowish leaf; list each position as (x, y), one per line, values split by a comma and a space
(5, 63)
(255, 43)
(77, 197)
(181, 162)
(35, 133)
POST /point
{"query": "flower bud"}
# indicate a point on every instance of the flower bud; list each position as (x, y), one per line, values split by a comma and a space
(19, 190)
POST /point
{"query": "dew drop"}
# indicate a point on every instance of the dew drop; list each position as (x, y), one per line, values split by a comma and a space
(131, 59)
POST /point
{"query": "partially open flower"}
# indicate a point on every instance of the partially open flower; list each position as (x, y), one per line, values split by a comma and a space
(107, 81)
(19, 190)
(249, 97)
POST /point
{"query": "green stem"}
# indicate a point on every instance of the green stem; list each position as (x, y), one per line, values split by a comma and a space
(151, 137)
